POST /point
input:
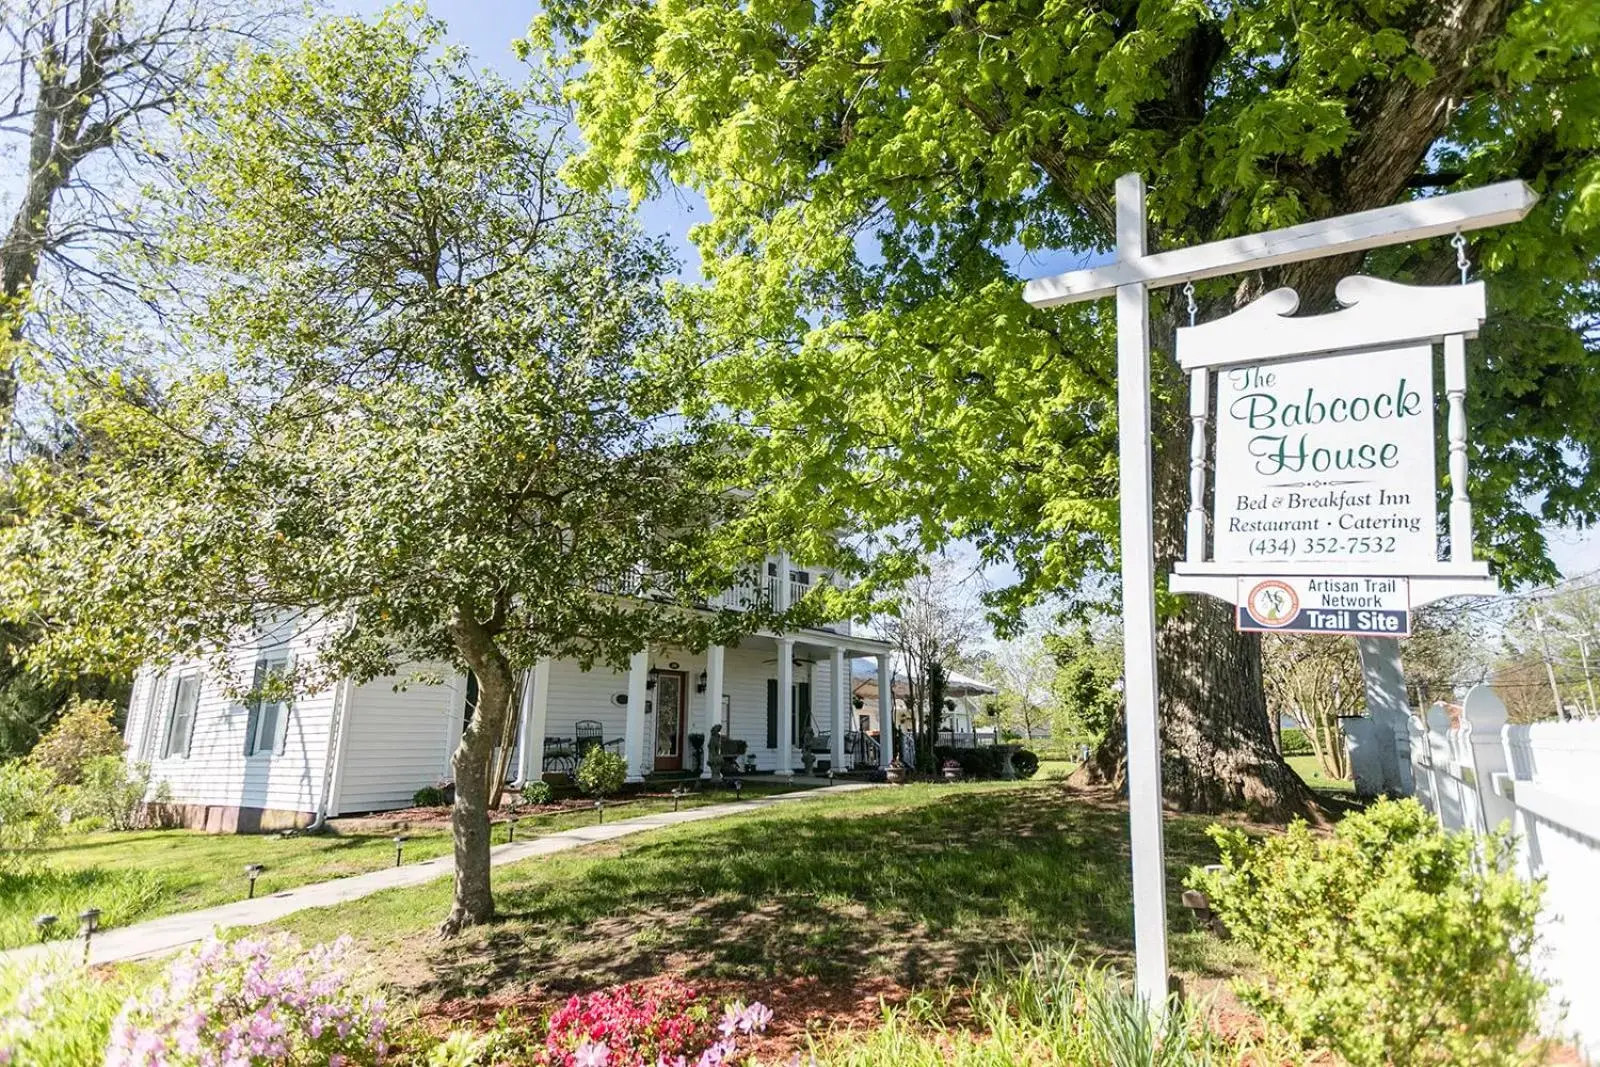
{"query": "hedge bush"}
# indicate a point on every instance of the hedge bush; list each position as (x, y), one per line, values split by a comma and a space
(987, 761)
(537, 793)
(1295, 742)
(1390, 941)
(429, 796)
(84, 733)
(601, 773)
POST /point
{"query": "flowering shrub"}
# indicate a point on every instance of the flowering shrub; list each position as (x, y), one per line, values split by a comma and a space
(85, 732)
(266, 1001)
(660, 1024)
(54, 1015)
(601, 773)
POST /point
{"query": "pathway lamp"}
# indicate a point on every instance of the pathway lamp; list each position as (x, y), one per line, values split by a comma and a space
(44, 924)
(253, 871)
(738, 789)
(88, 923)
(600, 809)
(677, 795)
(399, 846)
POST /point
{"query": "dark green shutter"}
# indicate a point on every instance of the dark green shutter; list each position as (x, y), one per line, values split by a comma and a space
(772, 713)
(253, 707)
(285, 709)
(802, 702)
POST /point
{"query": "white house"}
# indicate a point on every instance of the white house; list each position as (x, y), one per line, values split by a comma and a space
(233, 766)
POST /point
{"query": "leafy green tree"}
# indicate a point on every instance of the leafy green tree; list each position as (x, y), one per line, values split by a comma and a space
(427, 403)
(1087, 684)
(878, 174)
(86, 731)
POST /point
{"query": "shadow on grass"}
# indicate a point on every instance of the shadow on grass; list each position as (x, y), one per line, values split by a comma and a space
(920, 894)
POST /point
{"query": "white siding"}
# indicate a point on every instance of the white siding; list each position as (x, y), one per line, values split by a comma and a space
(216, 770)
(398, 740)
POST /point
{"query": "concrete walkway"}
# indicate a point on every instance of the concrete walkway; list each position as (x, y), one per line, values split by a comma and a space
(168, 934)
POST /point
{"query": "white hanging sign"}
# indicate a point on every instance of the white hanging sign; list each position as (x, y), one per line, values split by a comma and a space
(1327, 459)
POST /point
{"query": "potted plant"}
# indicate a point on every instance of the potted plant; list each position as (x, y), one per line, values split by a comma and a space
(896, 774)
(697, 745)
(952, 770)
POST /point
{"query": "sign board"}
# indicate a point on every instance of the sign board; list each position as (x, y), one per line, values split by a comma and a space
(1327, 458)
(1358, 607)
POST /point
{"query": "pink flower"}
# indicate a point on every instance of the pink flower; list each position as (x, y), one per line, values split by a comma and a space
(591, 1055)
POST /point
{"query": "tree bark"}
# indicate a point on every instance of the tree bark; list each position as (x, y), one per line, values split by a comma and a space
(473, 899)
(1216, 740)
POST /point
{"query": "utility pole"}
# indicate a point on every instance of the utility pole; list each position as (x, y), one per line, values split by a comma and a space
(1549, 667)
(1588, 679)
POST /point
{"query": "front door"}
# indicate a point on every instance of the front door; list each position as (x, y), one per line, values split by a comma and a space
(670, 715)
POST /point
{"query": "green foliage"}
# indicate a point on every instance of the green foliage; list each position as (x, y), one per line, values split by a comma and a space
(1295, 742)
(123, 895)
(879, 174)
(987, 761)
(537, 793)
(30, 815)
(1388, 942)
(1025, 763)
(429, 796)
(113, 793)
(1088, 674)
(1045, 1009)
(602, 772)
(55, 1014)
(85, 732)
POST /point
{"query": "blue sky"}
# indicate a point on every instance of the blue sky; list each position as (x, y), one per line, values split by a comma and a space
(487, 28)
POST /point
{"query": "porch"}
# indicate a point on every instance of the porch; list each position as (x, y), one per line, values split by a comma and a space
(774, 703)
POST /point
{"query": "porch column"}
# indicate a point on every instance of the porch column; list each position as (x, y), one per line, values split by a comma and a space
(840, 677)
(785, 705)
(633, 733)
(535, 703)
(713, 702)
(886, 751)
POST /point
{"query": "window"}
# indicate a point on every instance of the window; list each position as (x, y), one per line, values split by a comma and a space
(180, 717)
(266, 727)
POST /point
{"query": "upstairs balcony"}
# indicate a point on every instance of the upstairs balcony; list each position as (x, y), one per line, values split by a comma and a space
(781, 585)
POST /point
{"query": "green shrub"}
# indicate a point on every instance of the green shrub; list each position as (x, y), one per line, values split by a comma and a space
(1045, 1010)
(1295, 742)
(1388, 942)
(84, 733)
(55, 1014)
(30, 817)
(985, 761)
(1025, 763)
(429, 796)
(602, 773)
(112, 793)
(537, 793)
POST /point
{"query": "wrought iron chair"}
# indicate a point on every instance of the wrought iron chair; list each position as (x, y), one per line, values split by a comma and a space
(560, 755)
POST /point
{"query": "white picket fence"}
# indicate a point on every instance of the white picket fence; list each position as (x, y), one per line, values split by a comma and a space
(1477, 771)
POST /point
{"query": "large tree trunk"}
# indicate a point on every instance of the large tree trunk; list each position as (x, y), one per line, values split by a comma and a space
(1216, 740)
(473, 900)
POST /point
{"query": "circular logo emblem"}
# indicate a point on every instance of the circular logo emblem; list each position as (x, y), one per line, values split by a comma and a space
(1272, 603)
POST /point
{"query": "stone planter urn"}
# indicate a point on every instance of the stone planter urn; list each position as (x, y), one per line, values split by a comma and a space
(896, 772)
(951, 770)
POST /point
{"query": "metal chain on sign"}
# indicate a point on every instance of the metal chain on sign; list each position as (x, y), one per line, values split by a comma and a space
(1188, 294)
(1459, 243)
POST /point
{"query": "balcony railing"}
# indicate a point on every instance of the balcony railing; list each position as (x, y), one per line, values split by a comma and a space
(756, 591)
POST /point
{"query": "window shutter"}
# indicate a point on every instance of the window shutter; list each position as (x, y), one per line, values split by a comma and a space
(194, 713)
(150, 742)
(253, 706)
(285, 709)
(772, 713)
(802, 703)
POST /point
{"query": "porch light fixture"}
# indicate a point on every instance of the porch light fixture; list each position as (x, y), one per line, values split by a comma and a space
(44, 924)
(399, 846)
(650, 678)
(252, 871)
(700, 683)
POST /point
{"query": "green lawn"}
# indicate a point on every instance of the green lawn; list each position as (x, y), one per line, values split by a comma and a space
(914, 885)
(1310, 772)
(141, 875)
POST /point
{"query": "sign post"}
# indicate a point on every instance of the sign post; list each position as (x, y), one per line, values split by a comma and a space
(1398, 547)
